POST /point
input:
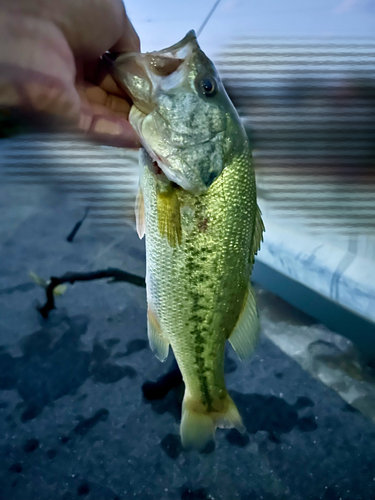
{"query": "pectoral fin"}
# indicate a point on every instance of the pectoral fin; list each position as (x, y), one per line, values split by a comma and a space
(140, 214)
(159, 345)
(245, 335)
(169, 216)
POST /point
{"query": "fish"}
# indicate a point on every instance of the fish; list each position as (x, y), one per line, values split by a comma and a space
(197, 206)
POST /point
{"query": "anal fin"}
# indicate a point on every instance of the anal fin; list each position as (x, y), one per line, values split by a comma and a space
(245, 335)
(158, 344)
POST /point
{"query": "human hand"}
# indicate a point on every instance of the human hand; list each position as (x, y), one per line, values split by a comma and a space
(50, 64)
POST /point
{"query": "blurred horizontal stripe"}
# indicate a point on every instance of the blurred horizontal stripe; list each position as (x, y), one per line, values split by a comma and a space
(309, 109)
(102, 178)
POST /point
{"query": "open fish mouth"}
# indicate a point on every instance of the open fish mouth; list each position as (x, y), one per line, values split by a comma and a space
(161, 63)
(179, 123)
(175, 51)
(143, 75)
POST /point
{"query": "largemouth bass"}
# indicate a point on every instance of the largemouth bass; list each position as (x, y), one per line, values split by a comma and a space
(197, 206)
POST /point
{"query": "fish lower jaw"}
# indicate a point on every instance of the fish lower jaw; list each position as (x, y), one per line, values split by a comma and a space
(161, 165)
(176, 177)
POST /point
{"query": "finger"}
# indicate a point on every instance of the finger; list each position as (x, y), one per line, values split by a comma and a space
(108, 84)
(116, 134)
(109, 130)
(104, 124)
(96, 73)
(97, 95)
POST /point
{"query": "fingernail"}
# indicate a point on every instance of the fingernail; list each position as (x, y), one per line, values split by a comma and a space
(85, 121)
(104, 126)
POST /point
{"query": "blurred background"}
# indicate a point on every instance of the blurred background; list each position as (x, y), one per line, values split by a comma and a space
(302, 76)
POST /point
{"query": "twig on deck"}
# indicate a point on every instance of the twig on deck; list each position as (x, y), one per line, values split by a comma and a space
(115, 274)
(77, 226)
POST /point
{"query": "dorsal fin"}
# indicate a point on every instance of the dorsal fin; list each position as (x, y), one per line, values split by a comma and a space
(257, 235)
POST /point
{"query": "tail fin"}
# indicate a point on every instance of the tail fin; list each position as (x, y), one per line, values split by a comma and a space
(198, 425)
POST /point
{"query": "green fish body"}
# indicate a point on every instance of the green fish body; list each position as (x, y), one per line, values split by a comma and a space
(197, 206)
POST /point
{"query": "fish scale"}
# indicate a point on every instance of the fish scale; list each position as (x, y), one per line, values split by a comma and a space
(202, 295)
(197, 207)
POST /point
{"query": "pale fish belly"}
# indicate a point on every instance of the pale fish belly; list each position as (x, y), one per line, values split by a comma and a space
(196, 289)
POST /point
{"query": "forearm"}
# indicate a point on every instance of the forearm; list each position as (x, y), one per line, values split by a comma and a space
(51, 71)
(37, 69)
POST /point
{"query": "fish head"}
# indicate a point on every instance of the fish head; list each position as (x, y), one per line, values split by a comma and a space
(181, 112)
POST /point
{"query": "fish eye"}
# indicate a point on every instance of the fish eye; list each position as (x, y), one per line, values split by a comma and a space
(208, 86)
